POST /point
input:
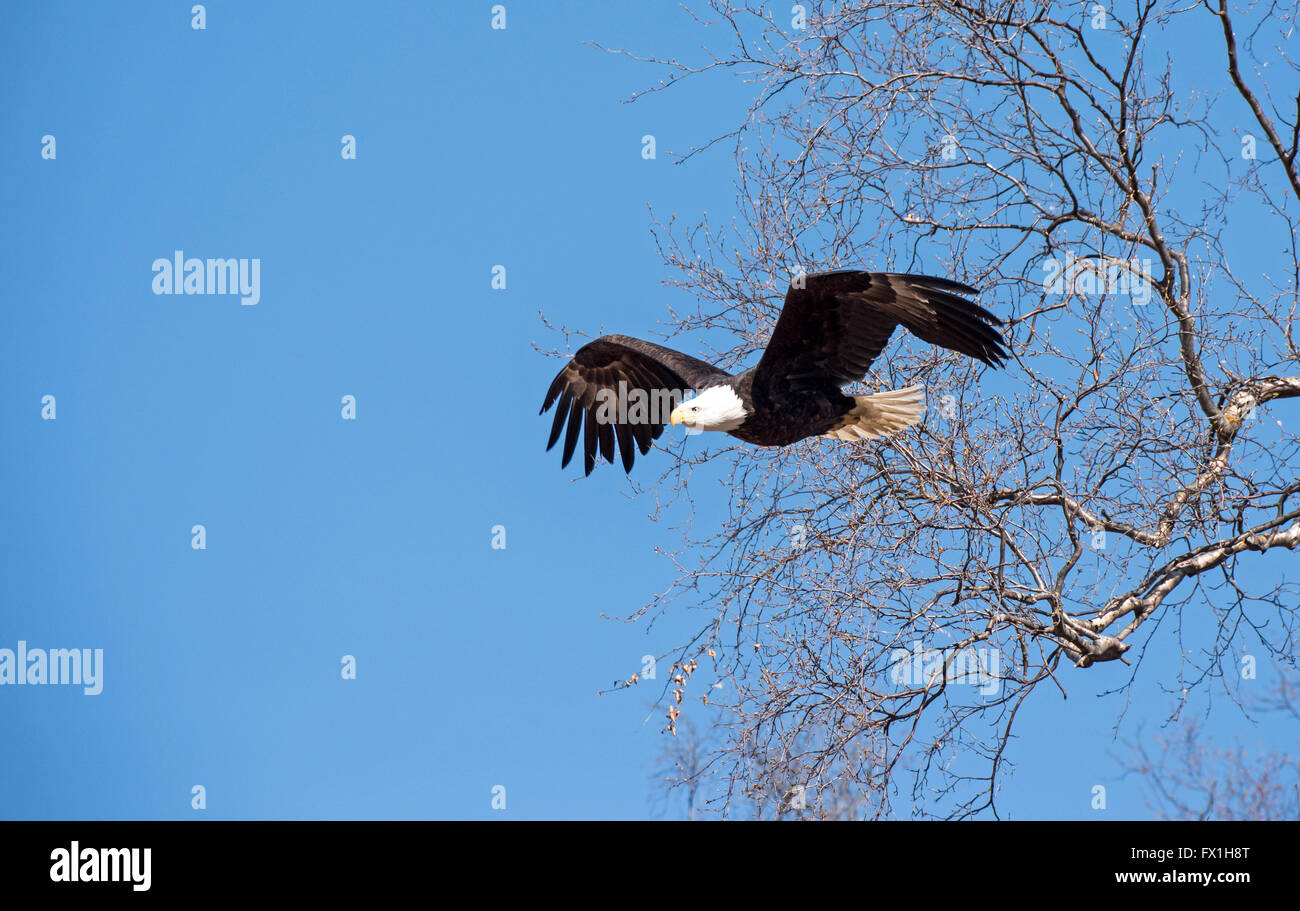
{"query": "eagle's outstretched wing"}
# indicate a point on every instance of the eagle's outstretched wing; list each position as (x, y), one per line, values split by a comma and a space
(601, 382)
(832, 328)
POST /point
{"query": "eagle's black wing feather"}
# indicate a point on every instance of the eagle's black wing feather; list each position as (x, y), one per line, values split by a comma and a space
(599, 382)
(832, 328)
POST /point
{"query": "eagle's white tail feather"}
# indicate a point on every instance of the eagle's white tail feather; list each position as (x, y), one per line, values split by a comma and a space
(883, 413)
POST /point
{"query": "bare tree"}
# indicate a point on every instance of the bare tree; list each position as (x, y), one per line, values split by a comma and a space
(880, 612)
(1188, 775)
(775, 786)
(682, 768)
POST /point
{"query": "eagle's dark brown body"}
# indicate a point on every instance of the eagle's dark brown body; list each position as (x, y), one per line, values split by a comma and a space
(784, 419)
(829, 332)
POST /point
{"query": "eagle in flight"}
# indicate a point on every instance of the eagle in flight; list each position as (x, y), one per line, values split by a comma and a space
(622, 390)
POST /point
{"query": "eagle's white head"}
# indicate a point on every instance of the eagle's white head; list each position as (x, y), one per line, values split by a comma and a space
(716, 408)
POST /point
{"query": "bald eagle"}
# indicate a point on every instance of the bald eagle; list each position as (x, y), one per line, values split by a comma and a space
(623, 390)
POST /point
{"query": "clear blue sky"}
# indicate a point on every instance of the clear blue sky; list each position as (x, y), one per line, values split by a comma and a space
(476, 667)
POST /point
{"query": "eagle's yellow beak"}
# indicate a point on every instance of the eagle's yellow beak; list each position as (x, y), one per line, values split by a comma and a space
(677, 417)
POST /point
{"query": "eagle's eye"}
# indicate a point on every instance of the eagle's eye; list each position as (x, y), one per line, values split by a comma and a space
(695, 408)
